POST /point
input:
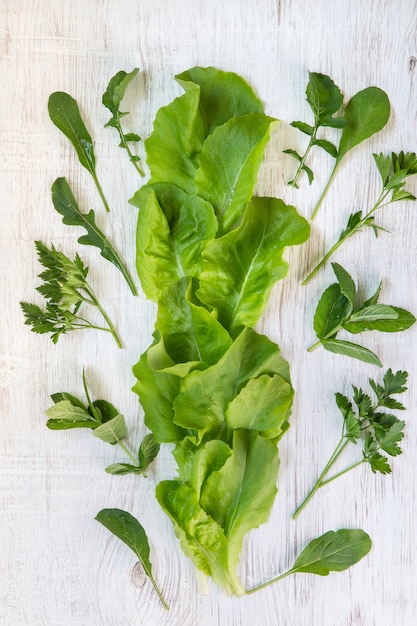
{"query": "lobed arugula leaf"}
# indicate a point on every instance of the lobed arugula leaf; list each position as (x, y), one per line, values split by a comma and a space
(66, 205)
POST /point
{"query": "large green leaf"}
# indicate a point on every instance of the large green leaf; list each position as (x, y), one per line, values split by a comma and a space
(205, 395)
(176, 139)
(201, 538)
(189, 331)
(173, 228)
(264, 405)
(229, 164)
(223, 95)
(239, 495)
(242, 266)
(157, 391)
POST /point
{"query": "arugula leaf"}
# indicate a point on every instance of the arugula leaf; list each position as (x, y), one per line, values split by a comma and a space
(379, 431)
(325, 99)
(335, 312)
(335, 551)
(66, 205)
(66, 289)
(112, 99)
(65, 114)
(366, 113)
(127, 528)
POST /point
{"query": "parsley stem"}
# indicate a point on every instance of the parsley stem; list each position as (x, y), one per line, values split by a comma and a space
(321, 479)
(110, 324)
(348, 469)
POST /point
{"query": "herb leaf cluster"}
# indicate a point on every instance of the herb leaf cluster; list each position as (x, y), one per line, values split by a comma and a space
(66, 289)
(339, 309)
(380, 431)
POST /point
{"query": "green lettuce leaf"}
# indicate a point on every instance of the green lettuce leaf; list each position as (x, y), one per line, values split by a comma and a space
(242, 266)
(228, 165)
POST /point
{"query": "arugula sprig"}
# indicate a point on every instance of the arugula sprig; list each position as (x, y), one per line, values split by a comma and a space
(65, 114)
(366, 113)
(379, 431)
(111, 99)
(339, 309)
(66, 289)
(66, 205)
(325, 99)
(394, 169)
(106, 422)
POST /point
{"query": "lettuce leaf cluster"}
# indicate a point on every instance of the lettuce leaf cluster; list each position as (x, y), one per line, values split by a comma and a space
(209, 253)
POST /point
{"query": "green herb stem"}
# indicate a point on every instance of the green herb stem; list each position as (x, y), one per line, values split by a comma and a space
(100, 190)
(294, 181)
(324, 192)
(111, 328)
(269, 582)
(127, 452)
(324, 259)
(320, 481)
(348, 469)
(126, 147)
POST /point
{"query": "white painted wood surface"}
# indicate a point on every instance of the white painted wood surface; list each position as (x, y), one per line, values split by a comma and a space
(58, 567)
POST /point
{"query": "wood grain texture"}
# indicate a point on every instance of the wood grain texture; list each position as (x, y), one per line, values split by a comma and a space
(57, 566)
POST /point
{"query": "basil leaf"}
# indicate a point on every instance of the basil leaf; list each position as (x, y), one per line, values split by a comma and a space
(331, 311)
(64, 415)
(333, 552)
(107, 410)
(121, 469)
(402, 321)
(127, 528)
(112, 431)
(148, 451)
(347, 284)
(353, 350)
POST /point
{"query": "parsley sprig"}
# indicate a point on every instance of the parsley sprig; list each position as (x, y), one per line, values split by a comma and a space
(66, 289)
(379, 431)
(394, 170)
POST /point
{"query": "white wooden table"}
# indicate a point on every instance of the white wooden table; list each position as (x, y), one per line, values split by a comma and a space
(58, 567)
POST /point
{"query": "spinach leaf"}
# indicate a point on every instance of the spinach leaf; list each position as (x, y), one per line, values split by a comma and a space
(127, 528)
(65, 114)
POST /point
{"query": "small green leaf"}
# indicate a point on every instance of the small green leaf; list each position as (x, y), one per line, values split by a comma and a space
(112, 431)
(330, 312)
(333, 552)
(294, 154)
(323, 96)
(379, 463)
(305, 128)
(148, 451)
(388, 324)
(127, 528)
(64, 415)
(366, 113)
(346, 282)
(353, 350)
(327, 146)
(121, 469)
(116, 88)
(389, 442)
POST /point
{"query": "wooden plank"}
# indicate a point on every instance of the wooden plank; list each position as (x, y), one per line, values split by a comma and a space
(58, 566)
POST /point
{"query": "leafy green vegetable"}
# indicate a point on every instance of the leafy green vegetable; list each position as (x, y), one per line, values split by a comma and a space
(379, 431)
(112, 99)
(338, 309)
(65, 114)
(335, 551)
(325, 99)
(106, 423)
(127, 528)
(394, 170)
(66, 205)
(66, 289)
(366, 113)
